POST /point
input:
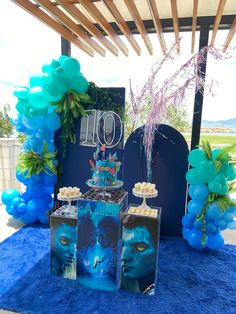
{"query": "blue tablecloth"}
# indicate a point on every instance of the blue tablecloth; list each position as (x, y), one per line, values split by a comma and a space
(189, 281)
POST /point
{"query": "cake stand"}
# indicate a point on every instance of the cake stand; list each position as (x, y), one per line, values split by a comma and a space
(144, 196)
(104, 189)
(70, 208)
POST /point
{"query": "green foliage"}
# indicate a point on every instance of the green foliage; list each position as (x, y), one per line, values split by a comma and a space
(207, 150)
(6, 128)
(30, 162)
(177, 117)
(22, 137)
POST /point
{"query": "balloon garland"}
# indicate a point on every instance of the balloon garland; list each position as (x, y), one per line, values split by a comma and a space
(38, 120)
(210, 209)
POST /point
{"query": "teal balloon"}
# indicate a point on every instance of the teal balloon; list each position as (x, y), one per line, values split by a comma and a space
(80, 84)
(46, 68)
(59, 72)
(71, 67)
(193, 176)
(55, 64)
(36, 97)
(195, 157)
(215, 152)
(63, 58)
(21, 93)
(215, 242)
(224, 189)
(214, 187)
(220, 178)
(207, 170)
(36, 80)
(9, 195)
(21, 105)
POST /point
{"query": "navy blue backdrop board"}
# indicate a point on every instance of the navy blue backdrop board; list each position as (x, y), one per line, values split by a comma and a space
(169, 167)
(76, 168)
(188, 281)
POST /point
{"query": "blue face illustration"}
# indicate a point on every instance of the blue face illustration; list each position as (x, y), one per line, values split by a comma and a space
(138, 253)
(65, 244)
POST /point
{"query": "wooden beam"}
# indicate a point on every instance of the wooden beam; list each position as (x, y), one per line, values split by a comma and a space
(67, 22)
(175, 22)
(230, 35)
(156, 20)
(122, 25)
(217, 20)
(45, 18)
(139, 23)
(99, 18)
(194, 24)
(90, 27)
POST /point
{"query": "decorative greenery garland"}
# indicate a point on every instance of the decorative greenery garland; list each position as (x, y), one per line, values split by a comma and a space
(74, 105)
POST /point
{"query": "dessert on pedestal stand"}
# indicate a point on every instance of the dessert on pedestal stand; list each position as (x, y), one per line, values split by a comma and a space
(144, 190)
(68, 195)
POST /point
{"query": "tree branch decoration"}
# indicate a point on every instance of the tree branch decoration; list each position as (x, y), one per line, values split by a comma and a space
(171, 90)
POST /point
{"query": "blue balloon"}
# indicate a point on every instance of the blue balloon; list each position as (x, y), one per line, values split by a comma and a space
(194, 239)
(8, 195)
(16, 201)
(222, 223)
(214, 212)
(197, 224)
(27, 218)
(10, 209)
(52, 121)
(185, 232)
(210, 228)
(33, 122)
(198, 192)
(44, 218)
(194, 206)
(187, 220)
(215, 242)
(47, 198)
(21, 207)
(50, 180)
(36, 207)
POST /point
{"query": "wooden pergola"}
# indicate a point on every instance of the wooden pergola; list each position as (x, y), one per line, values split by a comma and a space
(96, 26)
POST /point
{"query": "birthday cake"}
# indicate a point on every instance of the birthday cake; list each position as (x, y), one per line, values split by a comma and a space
(105, 168)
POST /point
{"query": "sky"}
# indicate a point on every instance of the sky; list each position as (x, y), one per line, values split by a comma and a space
(26, 44)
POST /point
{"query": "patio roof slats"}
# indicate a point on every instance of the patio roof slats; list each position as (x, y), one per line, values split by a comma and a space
(99, 18)
(89, 26)
(156, 20)
(230, 35)
(49, 21)
(175, 21)
(122, 25)
(139, 23)
(194, 24)
(67, 22)
(217, 20)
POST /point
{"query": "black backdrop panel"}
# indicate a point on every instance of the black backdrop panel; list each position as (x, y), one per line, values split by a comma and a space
(76, 168)
(169, 166)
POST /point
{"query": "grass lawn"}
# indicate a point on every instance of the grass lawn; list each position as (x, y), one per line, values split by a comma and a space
(217, 140)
